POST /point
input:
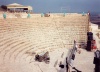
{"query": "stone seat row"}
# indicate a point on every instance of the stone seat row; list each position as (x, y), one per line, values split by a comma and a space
(10, 49)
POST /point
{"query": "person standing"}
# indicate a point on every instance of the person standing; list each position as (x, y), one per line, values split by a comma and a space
(4, 15)
(28, 16)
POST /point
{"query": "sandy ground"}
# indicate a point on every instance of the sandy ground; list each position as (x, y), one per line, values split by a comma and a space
(83, 61)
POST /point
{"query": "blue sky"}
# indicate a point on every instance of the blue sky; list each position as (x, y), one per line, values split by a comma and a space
(43, 6)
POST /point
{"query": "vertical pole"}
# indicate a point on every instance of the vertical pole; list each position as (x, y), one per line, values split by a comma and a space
(67, 66)
(88, 21)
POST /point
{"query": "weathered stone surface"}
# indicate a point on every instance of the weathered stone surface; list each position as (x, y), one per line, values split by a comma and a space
(19, 37)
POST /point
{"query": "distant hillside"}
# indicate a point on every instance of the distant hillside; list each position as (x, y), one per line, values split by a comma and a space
(95, 18)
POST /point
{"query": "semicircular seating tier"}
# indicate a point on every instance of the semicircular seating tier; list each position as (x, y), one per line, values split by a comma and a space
(21, 39)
